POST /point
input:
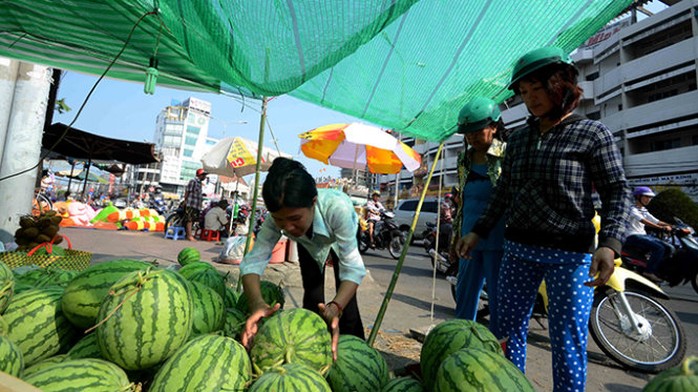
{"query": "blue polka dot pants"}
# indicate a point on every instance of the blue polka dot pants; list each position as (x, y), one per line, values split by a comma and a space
(523, 269)
(472, 273)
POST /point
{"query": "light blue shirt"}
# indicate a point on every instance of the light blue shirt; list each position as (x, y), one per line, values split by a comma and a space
(334, 227)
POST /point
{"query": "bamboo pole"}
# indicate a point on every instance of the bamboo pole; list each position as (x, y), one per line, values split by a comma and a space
(398, 266)
(260, 144)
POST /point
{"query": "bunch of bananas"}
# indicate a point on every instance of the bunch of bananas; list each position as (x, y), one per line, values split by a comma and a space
(34, 230)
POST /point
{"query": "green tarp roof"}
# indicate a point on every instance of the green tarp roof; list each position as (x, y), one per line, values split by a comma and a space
(408, 65)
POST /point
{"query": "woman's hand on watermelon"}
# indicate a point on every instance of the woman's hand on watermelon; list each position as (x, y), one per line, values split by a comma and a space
(251, 325)
(330, 312)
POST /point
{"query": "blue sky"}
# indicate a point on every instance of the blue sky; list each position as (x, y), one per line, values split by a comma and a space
(121, 110)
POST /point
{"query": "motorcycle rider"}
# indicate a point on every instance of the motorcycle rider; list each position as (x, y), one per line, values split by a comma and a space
(373, 214)
(636, 236)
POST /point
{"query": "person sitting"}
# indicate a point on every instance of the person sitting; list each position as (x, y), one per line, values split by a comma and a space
(373, 214)
(636, 235)
(216, 218)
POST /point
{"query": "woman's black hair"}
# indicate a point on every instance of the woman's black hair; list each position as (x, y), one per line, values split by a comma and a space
(560, 82)
(288, 184)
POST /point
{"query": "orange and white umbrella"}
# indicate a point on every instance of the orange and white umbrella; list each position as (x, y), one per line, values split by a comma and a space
(357, 146)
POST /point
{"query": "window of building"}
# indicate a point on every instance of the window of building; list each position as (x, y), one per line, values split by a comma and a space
(592, 76)
(620, 107)
(190, 140)
(661, 95)
(188, 152)
(594, 115)
(193, 130)
(666, 144)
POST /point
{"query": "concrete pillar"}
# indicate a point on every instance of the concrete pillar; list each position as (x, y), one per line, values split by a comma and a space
(23, 130)
(8, 79)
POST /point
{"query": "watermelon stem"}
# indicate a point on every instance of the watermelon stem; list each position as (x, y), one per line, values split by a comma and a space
(117, 307)
(686, 366)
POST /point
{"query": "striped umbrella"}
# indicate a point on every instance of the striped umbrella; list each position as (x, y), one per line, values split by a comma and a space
(357, 146)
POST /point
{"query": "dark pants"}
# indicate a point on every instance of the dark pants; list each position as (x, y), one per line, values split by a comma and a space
(314, 292)
(648, 244)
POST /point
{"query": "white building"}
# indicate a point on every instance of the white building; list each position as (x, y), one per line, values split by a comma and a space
(181, 136)
(640, 80)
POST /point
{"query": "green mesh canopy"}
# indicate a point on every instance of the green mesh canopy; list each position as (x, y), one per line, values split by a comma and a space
(408, 65)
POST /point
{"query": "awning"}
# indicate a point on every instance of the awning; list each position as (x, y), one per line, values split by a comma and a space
(80, 144)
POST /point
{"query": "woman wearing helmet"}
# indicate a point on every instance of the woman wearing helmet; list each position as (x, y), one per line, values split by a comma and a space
(545, 193)
(479, 167)
(636, 237)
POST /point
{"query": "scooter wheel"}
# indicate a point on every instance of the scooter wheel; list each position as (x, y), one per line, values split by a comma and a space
(658, 342)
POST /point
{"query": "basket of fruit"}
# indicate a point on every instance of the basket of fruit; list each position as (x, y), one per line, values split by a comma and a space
(38, 239)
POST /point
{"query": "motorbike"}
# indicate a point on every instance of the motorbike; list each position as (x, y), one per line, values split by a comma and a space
(386, 235)
(629, 321)
(680, 263)
(159, 205)
(440, 261)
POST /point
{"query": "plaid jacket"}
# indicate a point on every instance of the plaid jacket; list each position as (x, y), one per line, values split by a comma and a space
(546, 187)
(194, 194)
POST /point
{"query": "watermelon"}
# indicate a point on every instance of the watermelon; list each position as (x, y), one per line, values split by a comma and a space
(37, 325)
(86, 347)
(87, 374)
(7, 285)
(188, 255)
(682, 378)
(3, 327)
(291, 377)
(43, 364)
(293, 336)
(448, 337)
(208, 309)
(206, 274)
(403, 384)
(231, 297)
(146, 317)
(358, 368)
(234, 323)
(472, 369)
(11, 360)
(55, 277)
(205, 363)
(271, 293)
(84, 294)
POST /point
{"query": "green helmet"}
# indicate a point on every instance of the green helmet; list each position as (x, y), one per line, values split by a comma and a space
(477, 114)
(537, 59)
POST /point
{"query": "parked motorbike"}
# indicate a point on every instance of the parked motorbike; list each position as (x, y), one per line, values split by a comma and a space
(629, 321)
(386, 235)
(680, 263)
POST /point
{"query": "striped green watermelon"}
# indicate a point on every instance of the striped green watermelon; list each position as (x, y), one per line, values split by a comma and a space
(146, 317)
(358, 368)
(204, 273)
(205, 363)
(3, 327)
(271, 293)
(291, 377)
(293, 336)
(11, 360)
(403, 384)
(7, 285)
(682, 378)
(472, 369)
(43, 364)
(188, 255)
(86, 347)
(87, 374)
(84, 294)
(231, 297)
(208, 309)
(55, 277)
(448, 337)
(233, 323)
(37, 324)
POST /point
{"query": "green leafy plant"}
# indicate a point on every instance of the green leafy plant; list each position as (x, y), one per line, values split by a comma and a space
(673, 202)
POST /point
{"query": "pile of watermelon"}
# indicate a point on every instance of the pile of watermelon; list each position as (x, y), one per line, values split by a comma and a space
(130, 325)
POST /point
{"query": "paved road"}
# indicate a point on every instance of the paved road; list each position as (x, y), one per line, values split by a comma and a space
(410, 307)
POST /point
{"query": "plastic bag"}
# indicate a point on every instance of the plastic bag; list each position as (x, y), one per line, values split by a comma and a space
(234, 250)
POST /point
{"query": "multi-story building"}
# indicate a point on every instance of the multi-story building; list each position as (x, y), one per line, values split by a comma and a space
(181, 136)
(640, 80)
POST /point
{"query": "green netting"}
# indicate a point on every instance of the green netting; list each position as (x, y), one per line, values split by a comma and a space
(407, 65)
